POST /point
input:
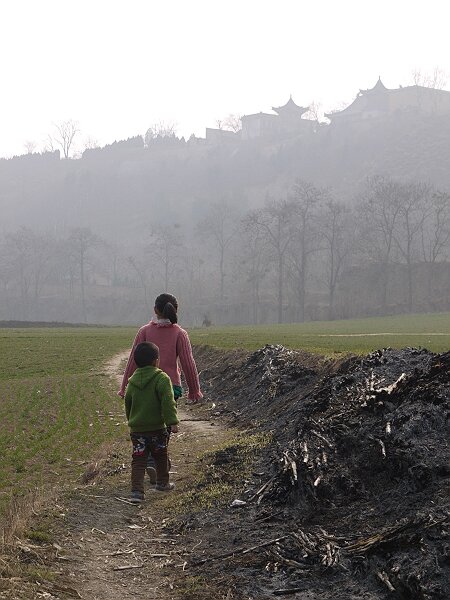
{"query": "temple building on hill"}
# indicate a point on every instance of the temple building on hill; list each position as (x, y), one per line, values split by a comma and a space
(375, 103)
(287, 121)
(290, 115)
(380, 101)
(220, 136)
(258, 125)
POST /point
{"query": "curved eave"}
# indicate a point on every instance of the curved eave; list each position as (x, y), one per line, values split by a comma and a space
(378, 87)
(289, 106)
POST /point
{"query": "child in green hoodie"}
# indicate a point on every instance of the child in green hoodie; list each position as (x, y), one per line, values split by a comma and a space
(150, 408)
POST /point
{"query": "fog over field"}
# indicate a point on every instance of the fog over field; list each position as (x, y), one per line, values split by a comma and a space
(263, 163)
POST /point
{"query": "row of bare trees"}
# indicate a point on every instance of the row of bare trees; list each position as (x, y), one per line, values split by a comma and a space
(31, 261)
(405, 222)
(309, 241)
(305, 255)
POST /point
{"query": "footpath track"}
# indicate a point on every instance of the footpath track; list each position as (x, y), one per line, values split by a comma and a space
(109, 549)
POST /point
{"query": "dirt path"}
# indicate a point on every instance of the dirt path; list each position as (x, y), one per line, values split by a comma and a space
(110, 549)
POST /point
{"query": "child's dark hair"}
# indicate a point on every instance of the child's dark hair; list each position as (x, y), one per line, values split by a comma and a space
(145, 354)
(167, 306)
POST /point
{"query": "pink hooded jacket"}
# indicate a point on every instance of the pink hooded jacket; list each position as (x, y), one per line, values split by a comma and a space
(175, 355)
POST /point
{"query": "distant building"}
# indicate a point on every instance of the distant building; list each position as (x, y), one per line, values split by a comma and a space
(380, 101)
(221, 136)
(287, 121)
(258, 125)
(290, 117)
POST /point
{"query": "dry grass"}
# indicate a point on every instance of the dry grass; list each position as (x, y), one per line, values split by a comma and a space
(103, 462)
(18, 515)
(25, 551)
(21, 563)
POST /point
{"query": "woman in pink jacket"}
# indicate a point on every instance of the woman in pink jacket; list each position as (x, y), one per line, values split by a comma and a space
(175, 349)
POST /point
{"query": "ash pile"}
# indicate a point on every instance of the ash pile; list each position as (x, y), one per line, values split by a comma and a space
(354, 500)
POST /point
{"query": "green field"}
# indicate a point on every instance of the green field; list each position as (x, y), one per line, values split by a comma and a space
(358, 336)
(55, 405)
(57, 408)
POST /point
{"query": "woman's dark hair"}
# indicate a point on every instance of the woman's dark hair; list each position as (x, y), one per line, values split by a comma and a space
(167, 306)
(145, 354)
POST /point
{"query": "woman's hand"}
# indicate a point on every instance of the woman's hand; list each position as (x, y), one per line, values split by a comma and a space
(174, 428)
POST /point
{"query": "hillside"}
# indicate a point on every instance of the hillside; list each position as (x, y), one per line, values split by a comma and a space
(362, 207)
(115, 190)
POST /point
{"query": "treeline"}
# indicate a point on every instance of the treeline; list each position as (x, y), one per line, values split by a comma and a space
(305, 256)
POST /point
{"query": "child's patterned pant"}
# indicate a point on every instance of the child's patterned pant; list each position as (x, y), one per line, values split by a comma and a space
(147, 443)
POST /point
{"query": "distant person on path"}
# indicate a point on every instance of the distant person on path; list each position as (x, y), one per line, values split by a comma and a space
(175, 353)
(150, 408)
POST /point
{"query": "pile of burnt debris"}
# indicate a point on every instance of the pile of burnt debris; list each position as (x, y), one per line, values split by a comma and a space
(352, 498)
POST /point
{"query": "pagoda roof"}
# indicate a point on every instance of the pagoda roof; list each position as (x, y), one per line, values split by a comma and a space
(364, 99)
(378, 87)
(290, 106)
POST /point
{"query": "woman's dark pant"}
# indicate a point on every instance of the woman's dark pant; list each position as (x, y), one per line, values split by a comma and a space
(145, 444)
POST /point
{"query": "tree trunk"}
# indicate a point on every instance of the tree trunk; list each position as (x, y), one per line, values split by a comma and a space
(280, 289)
(222, 274)
(83, 296)
(384, 286)
(331, 303)
(410, 286)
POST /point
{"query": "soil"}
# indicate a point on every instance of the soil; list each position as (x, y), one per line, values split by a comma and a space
(355, 483)
(349, 499)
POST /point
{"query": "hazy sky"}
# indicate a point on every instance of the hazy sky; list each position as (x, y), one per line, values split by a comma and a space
(118, 66)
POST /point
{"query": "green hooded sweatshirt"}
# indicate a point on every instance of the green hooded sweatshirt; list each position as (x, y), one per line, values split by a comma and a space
(149, 401)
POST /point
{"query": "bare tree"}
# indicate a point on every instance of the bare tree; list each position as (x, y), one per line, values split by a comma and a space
(18, 253)
(7, 276)
(254, 264)
(65, 135)
(412, 213)
(232, 122)
(436, 228)
(192, 277)
(29, 254)
(44, 249)
(110, 262)
(30, 146)
(435, 236)
(218, 228)
(165, 247)
(379, 212)
(275, 222)
(90, 143)
(314, 112)
(306, 199)
(161, 129)
(82, 240)
(141, 268)
(436, 79)
(336, 235)
(48, 145)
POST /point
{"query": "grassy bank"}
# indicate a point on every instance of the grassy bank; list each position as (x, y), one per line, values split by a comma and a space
(358, 336)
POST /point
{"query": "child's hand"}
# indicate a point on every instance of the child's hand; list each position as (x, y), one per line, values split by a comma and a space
(174, 428)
